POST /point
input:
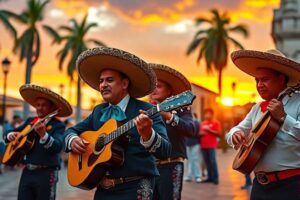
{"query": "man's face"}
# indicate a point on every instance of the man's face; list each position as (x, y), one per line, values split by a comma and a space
(208, 115)
(161, 92)
(112, 86)
(269, 84)
(43, 107)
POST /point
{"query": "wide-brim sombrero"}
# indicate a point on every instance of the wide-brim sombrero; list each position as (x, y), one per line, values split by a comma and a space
(172, 77)
(250, 61)
(31, 92)
(91, 62)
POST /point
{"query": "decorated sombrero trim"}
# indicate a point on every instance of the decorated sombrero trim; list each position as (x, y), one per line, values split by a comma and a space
(122, 55)
(263, 55)
(47, 92)
(171, 71)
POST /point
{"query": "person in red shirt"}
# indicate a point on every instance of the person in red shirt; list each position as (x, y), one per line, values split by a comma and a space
(209, 132)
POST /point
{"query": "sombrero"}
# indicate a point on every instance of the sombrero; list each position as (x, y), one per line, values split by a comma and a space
(31, 92)
(249, 61)
(91, 62)
(175, 79)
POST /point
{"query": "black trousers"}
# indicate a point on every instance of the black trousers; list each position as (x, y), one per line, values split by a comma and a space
(288, 189)
(38, 184)
(168, 185)
(141, 189)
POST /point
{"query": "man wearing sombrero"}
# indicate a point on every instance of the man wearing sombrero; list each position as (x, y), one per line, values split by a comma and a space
(277, 173)
(179, 125)
(42, 162)
(121, 77)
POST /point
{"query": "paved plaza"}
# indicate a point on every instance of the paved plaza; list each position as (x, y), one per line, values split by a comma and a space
(228, 188)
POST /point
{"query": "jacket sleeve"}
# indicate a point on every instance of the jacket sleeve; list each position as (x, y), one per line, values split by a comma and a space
(245, 125)
(54, 142)
(160, 147)
(185, 125)
(86, 124)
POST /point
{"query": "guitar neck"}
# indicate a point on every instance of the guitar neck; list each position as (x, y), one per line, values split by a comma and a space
(128, 125)
(45, 119)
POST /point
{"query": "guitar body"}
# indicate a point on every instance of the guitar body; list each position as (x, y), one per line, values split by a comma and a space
(248, 155)
(88, 172)
(16, 150)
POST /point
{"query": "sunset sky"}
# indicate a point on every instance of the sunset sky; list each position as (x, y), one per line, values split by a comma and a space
(155, 30)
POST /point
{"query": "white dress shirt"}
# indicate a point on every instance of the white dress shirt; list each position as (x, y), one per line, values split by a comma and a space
(284, 151)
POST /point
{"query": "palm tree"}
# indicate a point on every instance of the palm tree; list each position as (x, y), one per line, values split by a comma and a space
(213, 42)
(74, 43)
(8, 25)
(28, 44)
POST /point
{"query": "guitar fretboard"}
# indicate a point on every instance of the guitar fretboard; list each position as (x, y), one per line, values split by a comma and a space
(127, 126)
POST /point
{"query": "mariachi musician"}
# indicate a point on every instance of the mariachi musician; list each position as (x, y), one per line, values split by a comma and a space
(121, 77)
(180, 124)
(277, 173)
(42, 162)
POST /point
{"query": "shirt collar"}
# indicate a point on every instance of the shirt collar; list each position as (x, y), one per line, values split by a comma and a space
(124, 102)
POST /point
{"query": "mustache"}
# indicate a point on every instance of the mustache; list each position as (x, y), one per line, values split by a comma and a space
(105, 90)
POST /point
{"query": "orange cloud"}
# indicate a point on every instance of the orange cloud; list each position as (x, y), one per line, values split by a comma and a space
(71, 8)
(261, 3)
(184, 4)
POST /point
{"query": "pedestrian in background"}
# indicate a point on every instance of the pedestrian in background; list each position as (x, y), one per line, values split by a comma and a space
(193, 154)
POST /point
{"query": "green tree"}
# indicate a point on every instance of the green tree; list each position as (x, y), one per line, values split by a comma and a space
(28, 44)
(213, 42)
(74, 43)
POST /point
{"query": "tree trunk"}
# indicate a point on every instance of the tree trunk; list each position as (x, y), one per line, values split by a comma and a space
(220, 82)
(78, 106)
(28, 77)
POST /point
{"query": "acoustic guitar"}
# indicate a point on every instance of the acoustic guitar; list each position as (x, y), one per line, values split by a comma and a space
(259, 138)
(16, 149)
(103, 151)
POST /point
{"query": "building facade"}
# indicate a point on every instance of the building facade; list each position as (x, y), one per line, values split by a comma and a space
(286, 28)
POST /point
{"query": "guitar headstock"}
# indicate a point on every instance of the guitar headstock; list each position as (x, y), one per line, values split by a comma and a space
(290, 91)
(184, 99)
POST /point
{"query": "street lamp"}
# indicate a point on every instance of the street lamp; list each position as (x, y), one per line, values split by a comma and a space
(5, 68)
(233, 87)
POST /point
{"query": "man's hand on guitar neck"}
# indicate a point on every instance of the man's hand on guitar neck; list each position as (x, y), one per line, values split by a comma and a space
(276, 109)
(40, 128)
(144, 125)
(78, 145)
(12, 136)
(238, 139)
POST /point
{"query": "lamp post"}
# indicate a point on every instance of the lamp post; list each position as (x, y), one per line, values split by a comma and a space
(61, 89)
(5, 68)
(233, 87)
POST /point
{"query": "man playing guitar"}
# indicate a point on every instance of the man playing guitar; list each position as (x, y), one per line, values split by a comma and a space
(42, 162)
(277, 173)
(179, 125)
(121, 77)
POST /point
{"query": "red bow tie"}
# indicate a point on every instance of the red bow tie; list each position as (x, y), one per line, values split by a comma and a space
(263, 106)
(34, 120)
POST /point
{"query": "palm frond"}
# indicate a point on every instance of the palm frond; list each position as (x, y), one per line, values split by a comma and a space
(236, 43)
(96, 42)
(240, 29)
(201, 20)
(19, 18)
(8, 25)
(37, 48)
(195, 43)
(52, 33)
(88, 27)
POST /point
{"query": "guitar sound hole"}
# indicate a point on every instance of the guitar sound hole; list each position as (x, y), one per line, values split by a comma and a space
(100, 144)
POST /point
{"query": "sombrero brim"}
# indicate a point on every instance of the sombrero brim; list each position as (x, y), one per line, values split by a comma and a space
(173, 78)
(250, 61)
(31, 92)
(92, 61)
